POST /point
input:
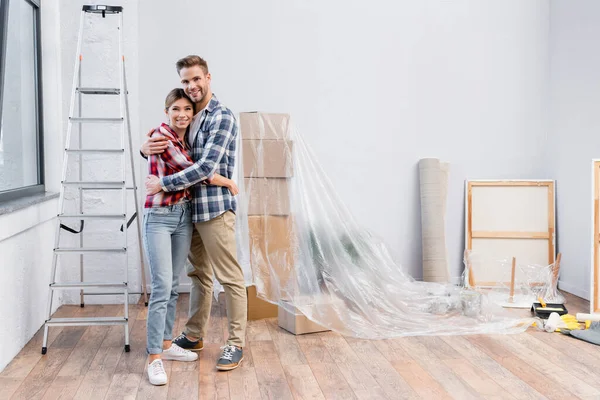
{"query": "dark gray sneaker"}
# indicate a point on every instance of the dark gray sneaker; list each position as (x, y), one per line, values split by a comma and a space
(187, 344)
(231, 358)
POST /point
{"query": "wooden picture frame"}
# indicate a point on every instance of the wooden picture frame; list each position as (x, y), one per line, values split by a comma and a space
(544, 237)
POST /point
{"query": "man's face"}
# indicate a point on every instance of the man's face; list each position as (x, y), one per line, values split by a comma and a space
(195, 83)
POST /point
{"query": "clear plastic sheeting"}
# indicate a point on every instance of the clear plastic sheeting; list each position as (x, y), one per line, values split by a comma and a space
(307, 253)
(517, 287)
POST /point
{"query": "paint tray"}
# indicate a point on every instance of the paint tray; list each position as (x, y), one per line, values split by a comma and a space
(544, 312)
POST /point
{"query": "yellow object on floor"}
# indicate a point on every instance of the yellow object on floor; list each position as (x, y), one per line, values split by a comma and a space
(571, 322)
(542, 302)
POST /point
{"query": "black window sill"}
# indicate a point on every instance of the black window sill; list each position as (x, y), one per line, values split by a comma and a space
(7, 207)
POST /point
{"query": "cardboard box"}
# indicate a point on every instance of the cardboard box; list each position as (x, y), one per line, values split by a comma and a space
(257, 125)
(293, 321)
(272, 255)
(267, 158)
(268, 196)
(257, 307)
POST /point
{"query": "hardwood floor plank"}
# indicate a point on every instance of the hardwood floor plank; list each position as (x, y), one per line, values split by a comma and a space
(21, 365)
(421, 382)
(286, 345)
(183, 385)
(441, 349)
(503, 377)
(213, 384)
(521, 369)
(243, 384)
(384, 373)
(569, 362)
(124, 386)
(63, 387)
(483, 385)
(8, 386)
(314, 349)
(339, 349)
(271, 378)
(257, 330)
(302, 382)
(41, 376)
(331, 381)
(559, 375)
(95, 385)
(134, 362)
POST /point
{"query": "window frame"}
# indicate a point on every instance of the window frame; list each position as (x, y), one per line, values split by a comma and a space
(25, 191)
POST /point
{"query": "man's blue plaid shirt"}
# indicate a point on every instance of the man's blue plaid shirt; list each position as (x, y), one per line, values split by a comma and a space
(213, 151)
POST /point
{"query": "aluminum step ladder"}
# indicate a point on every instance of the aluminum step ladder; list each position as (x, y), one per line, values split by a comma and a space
(115, 286)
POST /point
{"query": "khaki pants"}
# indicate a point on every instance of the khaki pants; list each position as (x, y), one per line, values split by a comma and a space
(213, 250)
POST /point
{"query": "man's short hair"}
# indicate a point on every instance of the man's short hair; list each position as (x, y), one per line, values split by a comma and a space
(191, 61)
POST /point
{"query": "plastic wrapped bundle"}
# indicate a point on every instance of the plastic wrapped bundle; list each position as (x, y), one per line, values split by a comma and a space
(308, 255)
(519, 285)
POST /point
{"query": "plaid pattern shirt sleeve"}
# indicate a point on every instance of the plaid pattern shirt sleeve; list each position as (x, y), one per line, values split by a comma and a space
(173, 156)
(220, 135)
(172, 160)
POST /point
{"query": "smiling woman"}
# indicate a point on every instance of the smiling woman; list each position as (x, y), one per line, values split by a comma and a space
(21, 150)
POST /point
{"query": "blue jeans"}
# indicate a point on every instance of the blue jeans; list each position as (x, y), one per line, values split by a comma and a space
(167, 236)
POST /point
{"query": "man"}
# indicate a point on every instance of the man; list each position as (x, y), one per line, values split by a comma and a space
(212, 138)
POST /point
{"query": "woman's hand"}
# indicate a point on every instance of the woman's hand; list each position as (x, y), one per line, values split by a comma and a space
(153, 184)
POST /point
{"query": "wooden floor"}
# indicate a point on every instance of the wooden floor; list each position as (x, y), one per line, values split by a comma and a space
(89, 363)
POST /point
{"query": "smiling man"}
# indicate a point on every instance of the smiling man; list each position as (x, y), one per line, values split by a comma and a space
(212, 138)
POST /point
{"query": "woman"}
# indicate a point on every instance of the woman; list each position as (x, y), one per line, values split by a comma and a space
(167, 236)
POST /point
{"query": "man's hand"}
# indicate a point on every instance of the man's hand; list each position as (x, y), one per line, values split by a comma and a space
(233, 188)
(154, 145)
(153, 185)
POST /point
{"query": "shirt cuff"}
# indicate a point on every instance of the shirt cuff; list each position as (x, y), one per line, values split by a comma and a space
(162, 184)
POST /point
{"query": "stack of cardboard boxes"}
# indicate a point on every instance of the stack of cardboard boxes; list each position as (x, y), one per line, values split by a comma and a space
(268, 169)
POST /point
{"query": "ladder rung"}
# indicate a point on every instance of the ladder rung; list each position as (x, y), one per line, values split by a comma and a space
(83, 285)
(87, 321)
(92, 216)
(128, 188)
(110, 293)
(95, 151)
(96, 120)
(91, 250)
(97, 185)
(90, 90)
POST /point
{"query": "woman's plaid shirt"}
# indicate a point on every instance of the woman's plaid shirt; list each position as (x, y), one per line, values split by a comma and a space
(174, 159)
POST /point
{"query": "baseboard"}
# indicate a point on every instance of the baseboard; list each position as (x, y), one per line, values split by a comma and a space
(182, 288)
(569, 288)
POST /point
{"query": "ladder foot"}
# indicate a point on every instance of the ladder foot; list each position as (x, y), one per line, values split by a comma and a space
(127, 348)
(146, 304)
(81, 305)
(44, 350)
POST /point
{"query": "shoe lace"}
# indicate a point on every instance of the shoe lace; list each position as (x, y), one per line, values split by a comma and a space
(158, 368)
(228, 351)
(181, 336)
(178, 349)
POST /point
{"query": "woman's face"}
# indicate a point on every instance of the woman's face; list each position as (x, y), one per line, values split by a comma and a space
(180, 113)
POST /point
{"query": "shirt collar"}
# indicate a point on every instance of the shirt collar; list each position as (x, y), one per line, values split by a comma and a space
(212, 104)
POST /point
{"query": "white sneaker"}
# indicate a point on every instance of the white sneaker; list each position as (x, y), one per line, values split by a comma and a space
(176, 353)
(156, 373)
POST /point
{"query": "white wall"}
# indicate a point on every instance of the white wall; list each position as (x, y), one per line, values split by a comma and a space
(574, 138)
(27, 235)
(373, 87)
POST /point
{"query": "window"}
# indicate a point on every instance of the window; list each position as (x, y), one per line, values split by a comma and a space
(21, 150)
